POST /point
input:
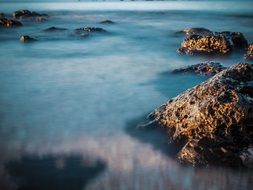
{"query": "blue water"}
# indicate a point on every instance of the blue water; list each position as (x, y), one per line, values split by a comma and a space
(67, 99)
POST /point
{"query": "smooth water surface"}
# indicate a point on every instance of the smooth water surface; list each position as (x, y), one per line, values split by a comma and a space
(69, 104)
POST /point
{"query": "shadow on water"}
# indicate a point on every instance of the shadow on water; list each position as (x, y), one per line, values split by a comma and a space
(54, 172)
(151, 134)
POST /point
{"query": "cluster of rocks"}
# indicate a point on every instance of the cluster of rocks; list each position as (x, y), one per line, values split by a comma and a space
(4, 22)
(205, 68)
(213, 121)
(204, 41)
(25, 14)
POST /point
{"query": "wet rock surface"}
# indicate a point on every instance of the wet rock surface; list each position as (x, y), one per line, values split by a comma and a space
(8, 23)
(89, 30)
(205, 68)
(26, 38)
(213, 121)
(249, 54)
(201, 40)
(54, 29)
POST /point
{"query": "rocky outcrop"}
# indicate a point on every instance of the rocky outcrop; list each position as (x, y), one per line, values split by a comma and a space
(54, 29)
(4, 22)
(249, 54)
(26, 39)
(201, 40)
(106, 22)
(20, 14)
(213, 121)
(88, 30)
(206, 68)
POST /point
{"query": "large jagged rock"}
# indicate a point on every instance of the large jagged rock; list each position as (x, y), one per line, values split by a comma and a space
(205, 68)
(249, 54)
(213, 121)
(201, 40)
(8, 23)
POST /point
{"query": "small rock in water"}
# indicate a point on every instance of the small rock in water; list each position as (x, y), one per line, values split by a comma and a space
(54, 29)
(26, 38)
(88, 30)
(206, 68)
(249, 54)
(106, 22)
(213, 121)
(9, 23)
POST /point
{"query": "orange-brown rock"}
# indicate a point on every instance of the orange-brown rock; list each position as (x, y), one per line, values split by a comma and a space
(213, 121)
(205, 68)
(249, 54)
(4, 22)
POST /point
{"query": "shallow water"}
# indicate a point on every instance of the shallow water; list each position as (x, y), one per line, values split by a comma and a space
(69, 105)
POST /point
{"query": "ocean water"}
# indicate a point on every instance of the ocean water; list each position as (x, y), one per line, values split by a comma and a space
(69, 105)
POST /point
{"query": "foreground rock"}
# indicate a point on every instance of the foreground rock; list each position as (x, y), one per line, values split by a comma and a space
(26, 39)
(201, 40)
(249, 54)
(213, 121)
(106, 22)
(89, 30)
(54, 29)
(4, 22)
(206, 68)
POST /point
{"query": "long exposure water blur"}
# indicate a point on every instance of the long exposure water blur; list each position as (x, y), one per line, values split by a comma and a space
(69, 105)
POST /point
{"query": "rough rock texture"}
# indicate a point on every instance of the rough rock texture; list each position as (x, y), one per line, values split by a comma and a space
(215, 44)
(88, 30)
(27, 14)
(54, 29)
(213, 121)
(201, 40)
(4, 22)
(106, 22)
(26, 39)
(206, 68)
(249, 54)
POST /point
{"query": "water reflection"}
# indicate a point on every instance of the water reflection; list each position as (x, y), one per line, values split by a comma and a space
(54, 172)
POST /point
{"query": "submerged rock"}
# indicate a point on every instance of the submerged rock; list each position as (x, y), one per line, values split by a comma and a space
(27, 14)
(201, 40)
(9, 23)
(249, 54)
(106, 22)
(213, 121)
(54, 29)
(206, 68)
(88, 30)
(26, 38)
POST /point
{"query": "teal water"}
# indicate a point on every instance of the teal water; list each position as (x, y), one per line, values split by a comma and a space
(66, 103)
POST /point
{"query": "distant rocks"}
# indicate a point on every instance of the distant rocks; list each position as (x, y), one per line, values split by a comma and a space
(249, 54)
(54, 29)
(89, 30)
(26, 38)
(106, 22)
(20, 14)
(204, 41)
(206, 68)
(4, 22)
(213, 121)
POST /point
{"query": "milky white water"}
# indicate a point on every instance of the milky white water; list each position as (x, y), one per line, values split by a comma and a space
(65, 97)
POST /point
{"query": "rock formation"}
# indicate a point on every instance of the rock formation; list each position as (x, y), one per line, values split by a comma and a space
(206, 68)
(4, 22)
(26, 38)
(213, 121)
(249, 54)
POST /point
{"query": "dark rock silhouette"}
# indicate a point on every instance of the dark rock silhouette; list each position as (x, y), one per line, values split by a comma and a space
(26, 39)
(8, 23)
(20, 14)
(106, 22)
(53, 172)
(89, 30)
(54, 29)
